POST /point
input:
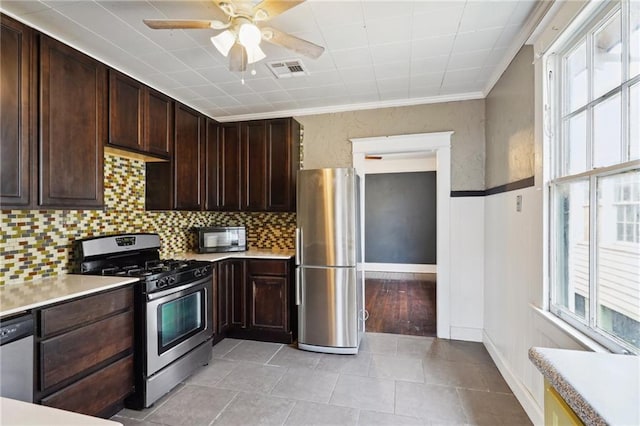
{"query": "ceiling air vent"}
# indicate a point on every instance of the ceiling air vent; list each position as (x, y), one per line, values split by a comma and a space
(288, 68)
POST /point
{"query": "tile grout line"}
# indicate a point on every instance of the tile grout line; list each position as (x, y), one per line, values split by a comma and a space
(224, 408)
(274, 354)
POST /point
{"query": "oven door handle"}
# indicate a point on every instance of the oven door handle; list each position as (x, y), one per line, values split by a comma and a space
(173, 290)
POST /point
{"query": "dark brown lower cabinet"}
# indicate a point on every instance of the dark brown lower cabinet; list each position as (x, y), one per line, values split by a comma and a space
(254, 300)
(84, 353)
(94, 394)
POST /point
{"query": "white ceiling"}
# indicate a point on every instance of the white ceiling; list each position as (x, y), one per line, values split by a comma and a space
(378, 53)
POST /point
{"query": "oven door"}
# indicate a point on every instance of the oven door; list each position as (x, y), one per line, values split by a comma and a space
(178, 320)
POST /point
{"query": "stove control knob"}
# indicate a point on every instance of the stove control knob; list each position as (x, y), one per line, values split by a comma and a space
(205, 270)
(197, 273)
(162, 282)
(171, 280)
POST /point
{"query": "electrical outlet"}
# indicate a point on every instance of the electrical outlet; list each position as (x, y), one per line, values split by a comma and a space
(519, 203)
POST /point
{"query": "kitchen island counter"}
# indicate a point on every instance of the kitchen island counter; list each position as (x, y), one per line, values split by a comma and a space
(600, 388)
(16, 413)
(15, 298)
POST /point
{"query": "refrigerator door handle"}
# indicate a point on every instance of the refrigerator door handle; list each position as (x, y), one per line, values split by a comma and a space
(298, 246)
(298, 287)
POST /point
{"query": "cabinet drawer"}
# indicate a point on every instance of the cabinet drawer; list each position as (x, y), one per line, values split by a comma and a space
(267, 267)
(96, 392)
(70, 354)
(79, 312)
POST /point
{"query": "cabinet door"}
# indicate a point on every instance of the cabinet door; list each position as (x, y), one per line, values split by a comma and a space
(268, 308)
(212, 167)
(158, 123)
(126, 97)
(281, 147)
(223, 301)
(230, 161)
(254, 166)
(16, 121)
(238, 300)
(186, 158)
(72, 127)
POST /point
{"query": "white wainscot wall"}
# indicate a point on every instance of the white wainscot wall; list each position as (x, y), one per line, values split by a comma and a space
(467, 268)
(513, 289)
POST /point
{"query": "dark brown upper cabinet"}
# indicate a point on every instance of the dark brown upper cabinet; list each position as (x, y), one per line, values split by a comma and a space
(211, 173)
(187, 156)
(17, 103)
(140, 118)
(126, 110)
(73, 127)
(283, 162)
(229, 172)
(254, 166)
(158, 123)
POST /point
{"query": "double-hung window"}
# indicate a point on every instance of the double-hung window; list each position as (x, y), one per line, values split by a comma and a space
(594, 184)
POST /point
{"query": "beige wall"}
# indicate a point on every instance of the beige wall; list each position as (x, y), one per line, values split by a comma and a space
(326, 136)
(509, 126)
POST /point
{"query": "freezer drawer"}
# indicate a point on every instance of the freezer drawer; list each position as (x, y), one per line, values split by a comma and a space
(326, 217)
(328, 307)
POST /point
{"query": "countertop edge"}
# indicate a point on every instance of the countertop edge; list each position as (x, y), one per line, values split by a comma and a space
(571, 396)
(66, 297)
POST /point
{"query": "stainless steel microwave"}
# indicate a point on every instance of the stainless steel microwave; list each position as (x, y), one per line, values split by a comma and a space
(221, 239)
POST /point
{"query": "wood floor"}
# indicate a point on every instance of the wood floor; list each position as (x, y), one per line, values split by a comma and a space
(401, 306)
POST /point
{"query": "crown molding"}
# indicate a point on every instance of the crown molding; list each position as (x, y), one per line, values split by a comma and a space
(353, 107)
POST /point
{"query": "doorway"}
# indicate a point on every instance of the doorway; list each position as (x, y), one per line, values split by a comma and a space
(437, 147)
(400, 236)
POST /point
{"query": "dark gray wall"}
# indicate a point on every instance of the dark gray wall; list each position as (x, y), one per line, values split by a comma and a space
(400, 218)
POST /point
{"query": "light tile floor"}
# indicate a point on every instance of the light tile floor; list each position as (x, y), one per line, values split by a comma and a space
(394, 380)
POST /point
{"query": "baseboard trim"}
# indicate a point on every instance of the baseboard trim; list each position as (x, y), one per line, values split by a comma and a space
(467, 334)
(401, 267)
(522, 394)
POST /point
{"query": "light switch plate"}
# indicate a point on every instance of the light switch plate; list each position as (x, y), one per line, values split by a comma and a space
(519, 203)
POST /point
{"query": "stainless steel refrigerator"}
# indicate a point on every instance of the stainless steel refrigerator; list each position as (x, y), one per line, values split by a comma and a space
(329, 277)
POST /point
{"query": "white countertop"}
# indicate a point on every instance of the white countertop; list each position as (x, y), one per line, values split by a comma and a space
(249, 254)
(601, 388)
(16, 298)
(18, 413)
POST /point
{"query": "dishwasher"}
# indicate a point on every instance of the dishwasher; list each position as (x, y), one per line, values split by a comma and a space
(16, 358)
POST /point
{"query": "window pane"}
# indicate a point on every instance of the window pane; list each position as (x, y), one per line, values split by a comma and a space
(576, 79)
(634, 122)
(572, 248)
(606, 132)
(607, 57)
(576, 144)
(634, 49)
(618, 260)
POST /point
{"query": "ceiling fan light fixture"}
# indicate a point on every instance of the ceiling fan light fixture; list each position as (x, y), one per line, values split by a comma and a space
(224, 41)
(254, 54)
(249, 35)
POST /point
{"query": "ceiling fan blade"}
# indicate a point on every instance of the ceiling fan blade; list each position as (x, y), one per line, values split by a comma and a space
(273, 8)
(237, 58)
(290, 42)
(176, 24)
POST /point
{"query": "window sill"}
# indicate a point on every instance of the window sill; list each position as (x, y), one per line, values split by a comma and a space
(581, 339)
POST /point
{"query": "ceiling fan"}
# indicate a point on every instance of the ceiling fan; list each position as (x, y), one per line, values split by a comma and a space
(239, 28)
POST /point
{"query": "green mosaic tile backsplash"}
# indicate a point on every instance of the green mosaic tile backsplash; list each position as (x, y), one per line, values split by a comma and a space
(37, 244)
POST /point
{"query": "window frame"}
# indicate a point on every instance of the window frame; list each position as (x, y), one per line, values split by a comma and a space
(559, 114)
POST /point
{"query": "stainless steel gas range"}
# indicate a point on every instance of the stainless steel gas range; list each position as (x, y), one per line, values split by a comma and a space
(173, 312)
